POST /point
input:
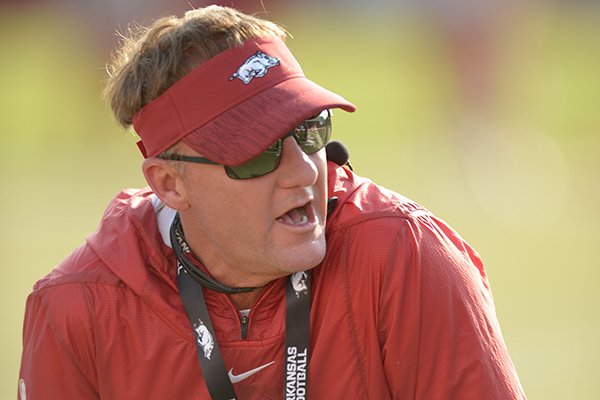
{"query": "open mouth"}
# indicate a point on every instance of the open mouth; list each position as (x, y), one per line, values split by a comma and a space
(299, 216)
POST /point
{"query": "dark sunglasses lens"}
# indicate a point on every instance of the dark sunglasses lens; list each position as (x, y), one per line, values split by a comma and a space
(313, 134)
(260, 165)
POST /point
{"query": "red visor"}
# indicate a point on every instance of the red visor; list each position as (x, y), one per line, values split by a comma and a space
(235, 105)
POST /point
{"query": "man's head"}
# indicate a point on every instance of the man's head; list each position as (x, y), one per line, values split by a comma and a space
(221, 86)
(221, 81)
(151, 59)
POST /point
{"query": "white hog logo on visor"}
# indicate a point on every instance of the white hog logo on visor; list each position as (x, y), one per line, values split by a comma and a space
(256, 66)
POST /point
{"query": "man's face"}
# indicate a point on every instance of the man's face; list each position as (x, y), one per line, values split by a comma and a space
(249, 232)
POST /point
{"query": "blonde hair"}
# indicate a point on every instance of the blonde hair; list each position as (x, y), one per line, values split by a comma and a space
(153, 58)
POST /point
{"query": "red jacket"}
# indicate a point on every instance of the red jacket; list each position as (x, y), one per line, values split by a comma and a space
(401, 309)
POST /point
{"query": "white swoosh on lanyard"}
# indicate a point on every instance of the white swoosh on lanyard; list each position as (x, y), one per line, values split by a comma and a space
(245, 375)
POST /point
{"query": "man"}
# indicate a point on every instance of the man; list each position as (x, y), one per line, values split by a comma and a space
(252, 267)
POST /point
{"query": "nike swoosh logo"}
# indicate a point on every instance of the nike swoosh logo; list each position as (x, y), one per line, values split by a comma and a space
(245, 375)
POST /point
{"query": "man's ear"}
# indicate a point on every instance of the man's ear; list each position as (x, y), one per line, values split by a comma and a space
(166, 182)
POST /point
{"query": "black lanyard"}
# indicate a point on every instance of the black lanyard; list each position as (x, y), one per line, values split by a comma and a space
(297, 325)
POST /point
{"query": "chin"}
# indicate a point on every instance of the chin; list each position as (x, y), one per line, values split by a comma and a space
(306, 257)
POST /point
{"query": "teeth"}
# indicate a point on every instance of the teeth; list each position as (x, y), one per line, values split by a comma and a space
(297, 216)
(286, 219)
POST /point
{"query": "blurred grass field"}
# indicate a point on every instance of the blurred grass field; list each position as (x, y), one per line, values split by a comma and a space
(521, 184)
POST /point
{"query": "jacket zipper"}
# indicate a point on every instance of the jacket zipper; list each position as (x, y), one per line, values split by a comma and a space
(244, 322)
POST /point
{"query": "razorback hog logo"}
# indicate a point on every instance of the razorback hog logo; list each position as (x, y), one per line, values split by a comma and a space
(299, 282)
(255, 66)
(204, 338)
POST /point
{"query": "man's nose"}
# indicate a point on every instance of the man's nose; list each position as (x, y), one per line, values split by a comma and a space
(296, 167)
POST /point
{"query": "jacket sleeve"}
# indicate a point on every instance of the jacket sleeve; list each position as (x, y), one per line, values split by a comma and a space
(58, 351)
(439, 333)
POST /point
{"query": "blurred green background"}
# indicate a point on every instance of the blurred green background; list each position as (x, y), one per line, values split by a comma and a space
(487, 118)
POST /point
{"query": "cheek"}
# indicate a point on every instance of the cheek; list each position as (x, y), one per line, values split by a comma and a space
(231, 224)
(243, 212)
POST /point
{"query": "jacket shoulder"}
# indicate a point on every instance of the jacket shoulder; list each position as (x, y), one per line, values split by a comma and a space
(376, 224)
(82, 266)
(360, 200)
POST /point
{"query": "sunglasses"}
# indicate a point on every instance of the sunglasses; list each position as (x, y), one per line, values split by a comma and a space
(311, 135)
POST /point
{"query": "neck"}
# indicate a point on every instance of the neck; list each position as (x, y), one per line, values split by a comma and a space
(244, 301)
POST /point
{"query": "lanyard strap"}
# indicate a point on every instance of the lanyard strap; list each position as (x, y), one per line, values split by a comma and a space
(297, 328)
(297, 335)
(207, 348)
